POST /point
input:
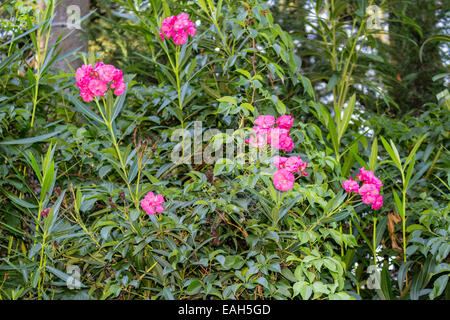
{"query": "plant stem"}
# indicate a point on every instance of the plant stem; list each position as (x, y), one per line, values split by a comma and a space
(404, 223)
(331, 213)
(41, 264)
(122, 164)
(374, 240)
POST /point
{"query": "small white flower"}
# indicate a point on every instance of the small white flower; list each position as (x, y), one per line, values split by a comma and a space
(217, 49)
(197, 23)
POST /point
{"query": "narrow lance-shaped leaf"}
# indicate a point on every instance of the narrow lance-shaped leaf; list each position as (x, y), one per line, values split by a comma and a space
(394, 156)
(373, 155)
(348, 112)
(398, 203)
(35, 167)
(409, 172)
(413, 151)
(333, 134)
(32, 139)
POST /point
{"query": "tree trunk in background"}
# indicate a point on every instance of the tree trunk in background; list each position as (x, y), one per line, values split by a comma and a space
(77, 38)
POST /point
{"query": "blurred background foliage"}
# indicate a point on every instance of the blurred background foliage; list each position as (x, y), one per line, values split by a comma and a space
(223, 234)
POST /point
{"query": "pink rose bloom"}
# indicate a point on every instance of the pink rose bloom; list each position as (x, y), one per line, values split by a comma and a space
(368, 176)
(265, 121)
(167, 26)
(178, 28)
(180, 38)
(369, 193)
(288, 144)
(181, 22)
(87, 95)
(260, 130)
(119, 88)
(94, 81)
(152, 203)
(368, 189)
(369, 199)
(257, 142)
(260, 140)
(285, 122)
(97, 87)
(106, 72)
(278, 138)
(303, 168)
(183, 16)
(293, 164)
(191, 31)
(283, 180)
(279, 162)
(378, 203)
(83, 75)
(118, 83)
(350, 185)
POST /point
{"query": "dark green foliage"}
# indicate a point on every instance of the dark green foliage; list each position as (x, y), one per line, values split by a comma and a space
(226, 233)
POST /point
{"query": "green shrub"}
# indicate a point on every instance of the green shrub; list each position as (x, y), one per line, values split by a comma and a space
(226, 232)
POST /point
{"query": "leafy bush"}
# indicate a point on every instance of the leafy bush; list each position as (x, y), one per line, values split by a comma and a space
(74, 172)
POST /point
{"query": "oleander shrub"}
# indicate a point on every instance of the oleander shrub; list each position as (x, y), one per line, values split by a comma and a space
(205, 164)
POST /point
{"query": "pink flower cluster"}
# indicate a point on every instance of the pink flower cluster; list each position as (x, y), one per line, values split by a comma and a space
(177, 27)
(152, 203)
(94, 81)
(370, 189)
(276, 137)
(284, 178)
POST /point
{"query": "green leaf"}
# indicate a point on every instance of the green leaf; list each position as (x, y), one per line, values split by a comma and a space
(438, 37)
(348, 112)
(194, 287)
(247, 106)
(386, 283)
(393, 154)
(409, 172)
(228, 99)
(84, 109)
(333, 134)
(302, 288)
(35, 167)
(279, 105)
(439, 285)
(19, 202)
(398, 203)
(413, 151)
(373, 155)
(33, 139)
(402, 272)
(48, 180)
